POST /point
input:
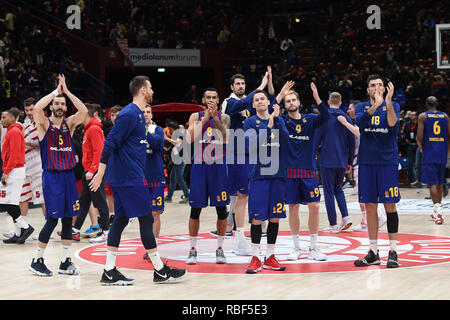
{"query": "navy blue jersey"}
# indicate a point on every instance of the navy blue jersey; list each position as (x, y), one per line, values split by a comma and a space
(298, 155)
(435, 138)
(338, 143)
(241, 109)
(154, 164)
(378, 144)
(57, 153)
(126, 145)
(263, 146)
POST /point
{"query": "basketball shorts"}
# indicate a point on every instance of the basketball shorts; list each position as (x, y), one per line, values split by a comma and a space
(209, 182)
(266, 199)
(302, 190)
(378, 184)
(60, 194)
(132, 201)
(32, 190)
(433, 173)
(238, 178)
(157, 195)
(10, 193)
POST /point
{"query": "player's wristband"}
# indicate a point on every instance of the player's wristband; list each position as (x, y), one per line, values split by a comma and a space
(55, 92)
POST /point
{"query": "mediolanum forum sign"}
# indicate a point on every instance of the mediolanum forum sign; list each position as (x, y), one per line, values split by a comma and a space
(149, 57)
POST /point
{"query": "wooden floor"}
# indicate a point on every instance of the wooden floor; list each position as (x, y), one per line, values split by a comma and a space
(422, 282)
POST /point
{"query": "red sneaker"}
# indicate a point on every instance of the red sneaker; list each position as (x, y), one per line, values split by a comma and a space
(439, 219)
(273, 264)
(76, 236)
(254, 266)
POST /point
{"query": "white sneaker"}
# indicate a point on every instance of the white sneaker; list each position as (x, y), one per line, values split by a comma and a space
(220, 256)
(10, 234)
(439, 219)
(99, 238)
(382, 220)
(345, 224)
(360, 228)
(331, 229)
(192, 258)
(315, 254)
(242, 247)
(295, 254)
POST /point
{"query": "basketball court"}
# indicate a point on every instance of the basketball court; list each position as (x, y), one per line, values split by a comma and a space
(423, 249)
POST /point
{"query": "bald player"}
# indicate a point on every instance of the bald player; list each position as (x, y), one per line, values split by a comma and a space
(432, 138)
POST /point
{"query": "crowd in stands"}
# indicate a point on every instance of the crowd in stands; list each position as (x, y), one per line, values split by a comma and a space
(30, 59)
(155, 24)
(336, 49)
(330, 45)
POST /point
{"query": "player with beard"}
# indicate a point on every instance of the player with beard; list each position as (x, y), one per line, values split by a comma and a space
(58, 177)
(302, 185)
(123, 161)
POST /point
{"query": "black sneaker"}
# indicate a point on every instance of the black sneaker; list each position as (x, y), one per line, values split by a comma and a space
(25, 234)
(392, 259)
(113, 277)
(167, 274)
(370, 259)
(38, 267)
(13, 239)
(67, 267)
